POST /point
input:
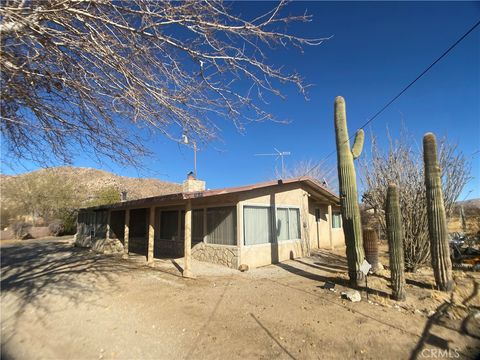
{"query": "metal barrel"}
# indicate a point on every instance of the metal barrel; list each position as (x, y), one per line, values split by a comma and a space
(370, 245)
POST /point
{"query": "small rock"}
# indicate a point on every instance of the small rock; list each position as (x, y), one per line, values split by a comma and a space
(352, 295)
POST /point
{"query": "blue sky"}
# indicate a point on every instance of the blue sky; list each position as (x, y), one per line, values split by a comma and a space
(377, 48)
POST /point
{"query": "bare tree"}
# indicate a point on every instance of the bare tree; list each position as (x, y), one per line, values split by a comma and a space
(402, 164)
(80, 74)
(325, 175)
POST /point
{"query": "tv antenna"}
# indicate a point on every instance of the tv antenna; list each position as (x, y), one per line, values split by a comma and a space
(187, 141)
(278, 154)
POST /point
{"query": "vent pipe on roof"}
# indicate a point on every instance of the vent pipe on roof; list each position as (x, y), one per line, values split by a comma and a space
(123, 196)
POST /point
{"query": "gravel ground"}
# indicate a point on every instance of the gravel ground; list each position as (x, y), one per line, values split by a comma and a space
(61, 302)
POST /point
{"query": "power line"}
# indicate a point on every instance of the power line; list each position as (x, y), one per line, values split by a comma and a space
(401, 92)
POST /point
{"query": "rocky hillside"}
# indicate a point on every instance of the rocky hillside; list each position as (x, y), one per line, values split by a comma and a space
(471, 209)
(94, 180)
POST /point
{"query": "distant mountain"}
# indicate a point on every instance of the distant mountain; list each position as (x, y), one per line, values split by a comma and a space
(472, 203)
(94, 180)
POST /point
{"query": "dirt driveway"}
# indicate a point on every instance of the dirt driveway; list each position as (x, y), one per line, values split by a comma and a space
(60, 302)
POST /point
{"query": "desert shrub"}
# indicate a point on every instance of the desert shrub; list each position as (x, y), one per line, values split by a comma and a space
(56, 227)
(69, 220)
(20, 230)
(402, 163)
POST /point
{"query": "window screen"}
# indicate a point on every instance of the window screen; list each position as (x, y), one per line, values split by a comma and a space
(221, 225)
(197, 225)
(257, 224)
(169, 225)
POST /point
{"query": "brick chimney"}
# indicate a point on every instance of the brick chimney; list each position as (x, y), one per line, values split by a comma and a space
(192, 184)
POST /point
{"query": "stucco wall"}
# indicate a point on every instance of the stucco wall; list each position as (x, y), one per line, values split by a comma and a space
(320, 232)
(265, 254)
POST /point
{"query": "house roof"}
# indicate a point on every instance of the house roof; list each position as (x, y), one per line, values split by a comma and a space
(312, 184)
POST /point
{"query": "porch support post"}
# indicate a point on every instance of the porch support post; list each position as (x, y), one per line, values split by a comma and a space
(151, 236)
(126, 233)
(187, 259)
(330, 225)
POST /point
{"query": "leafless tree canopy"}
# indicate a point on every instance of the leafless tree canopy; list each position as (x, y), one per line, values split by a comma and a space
(325, 175)
(76, 74)
(402, 164)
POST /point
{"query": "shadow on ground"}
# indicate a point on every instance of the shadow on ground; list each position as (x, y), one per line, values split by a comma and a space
(32, 271)
(468, 327)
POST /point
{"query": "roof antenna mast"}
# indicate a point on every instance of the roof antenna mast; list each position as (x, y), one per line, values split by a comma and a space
(186, 141)
(278, 154)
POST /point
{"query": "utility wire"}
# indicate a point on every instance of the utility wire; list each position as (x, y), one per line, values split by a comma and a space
(401, 92)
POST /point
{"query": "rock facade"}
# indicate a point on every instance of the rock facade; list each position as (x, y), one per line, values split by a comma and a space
(217, 254)
(108, 246)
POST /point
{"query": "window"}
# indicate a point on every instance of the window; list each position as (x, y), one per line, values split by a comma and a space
(257, 225)
(294, 223)
(288, 224)
(282, 224)
(197, 225)
(169, 225)
(221, 225)
(336, 220)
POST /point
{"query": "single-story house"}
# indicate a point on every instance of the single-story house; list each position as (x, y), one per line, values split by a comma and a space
(255, 225)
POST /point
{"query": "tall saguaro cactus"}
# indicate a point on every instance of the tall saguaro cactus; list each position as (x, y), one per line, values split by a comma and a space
(395, 237)
(352, 226)
(437, 218)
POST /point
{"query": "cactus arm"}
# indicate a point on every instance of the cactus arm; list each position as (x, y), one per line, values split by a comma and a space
(358, 143)
(437, 219)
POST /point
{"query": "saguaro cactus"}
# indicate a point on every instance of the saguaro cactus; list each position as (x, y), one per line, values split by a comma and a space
(437, 219)
(352, 226)
(395, 237)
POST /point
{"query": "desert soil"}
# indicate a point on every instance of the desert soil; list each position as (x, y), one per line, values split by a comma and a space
(61, 302)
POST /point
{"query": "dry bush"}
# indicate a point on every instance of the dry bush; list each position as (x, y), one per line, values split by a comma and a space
(325, 175)
(56, 227)
(402, 163)
(20, 230)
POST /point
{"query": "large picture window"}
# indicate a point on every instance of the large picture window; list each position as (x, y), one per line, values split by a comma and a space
(221, 225)
(257, 225)
(288, 224)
